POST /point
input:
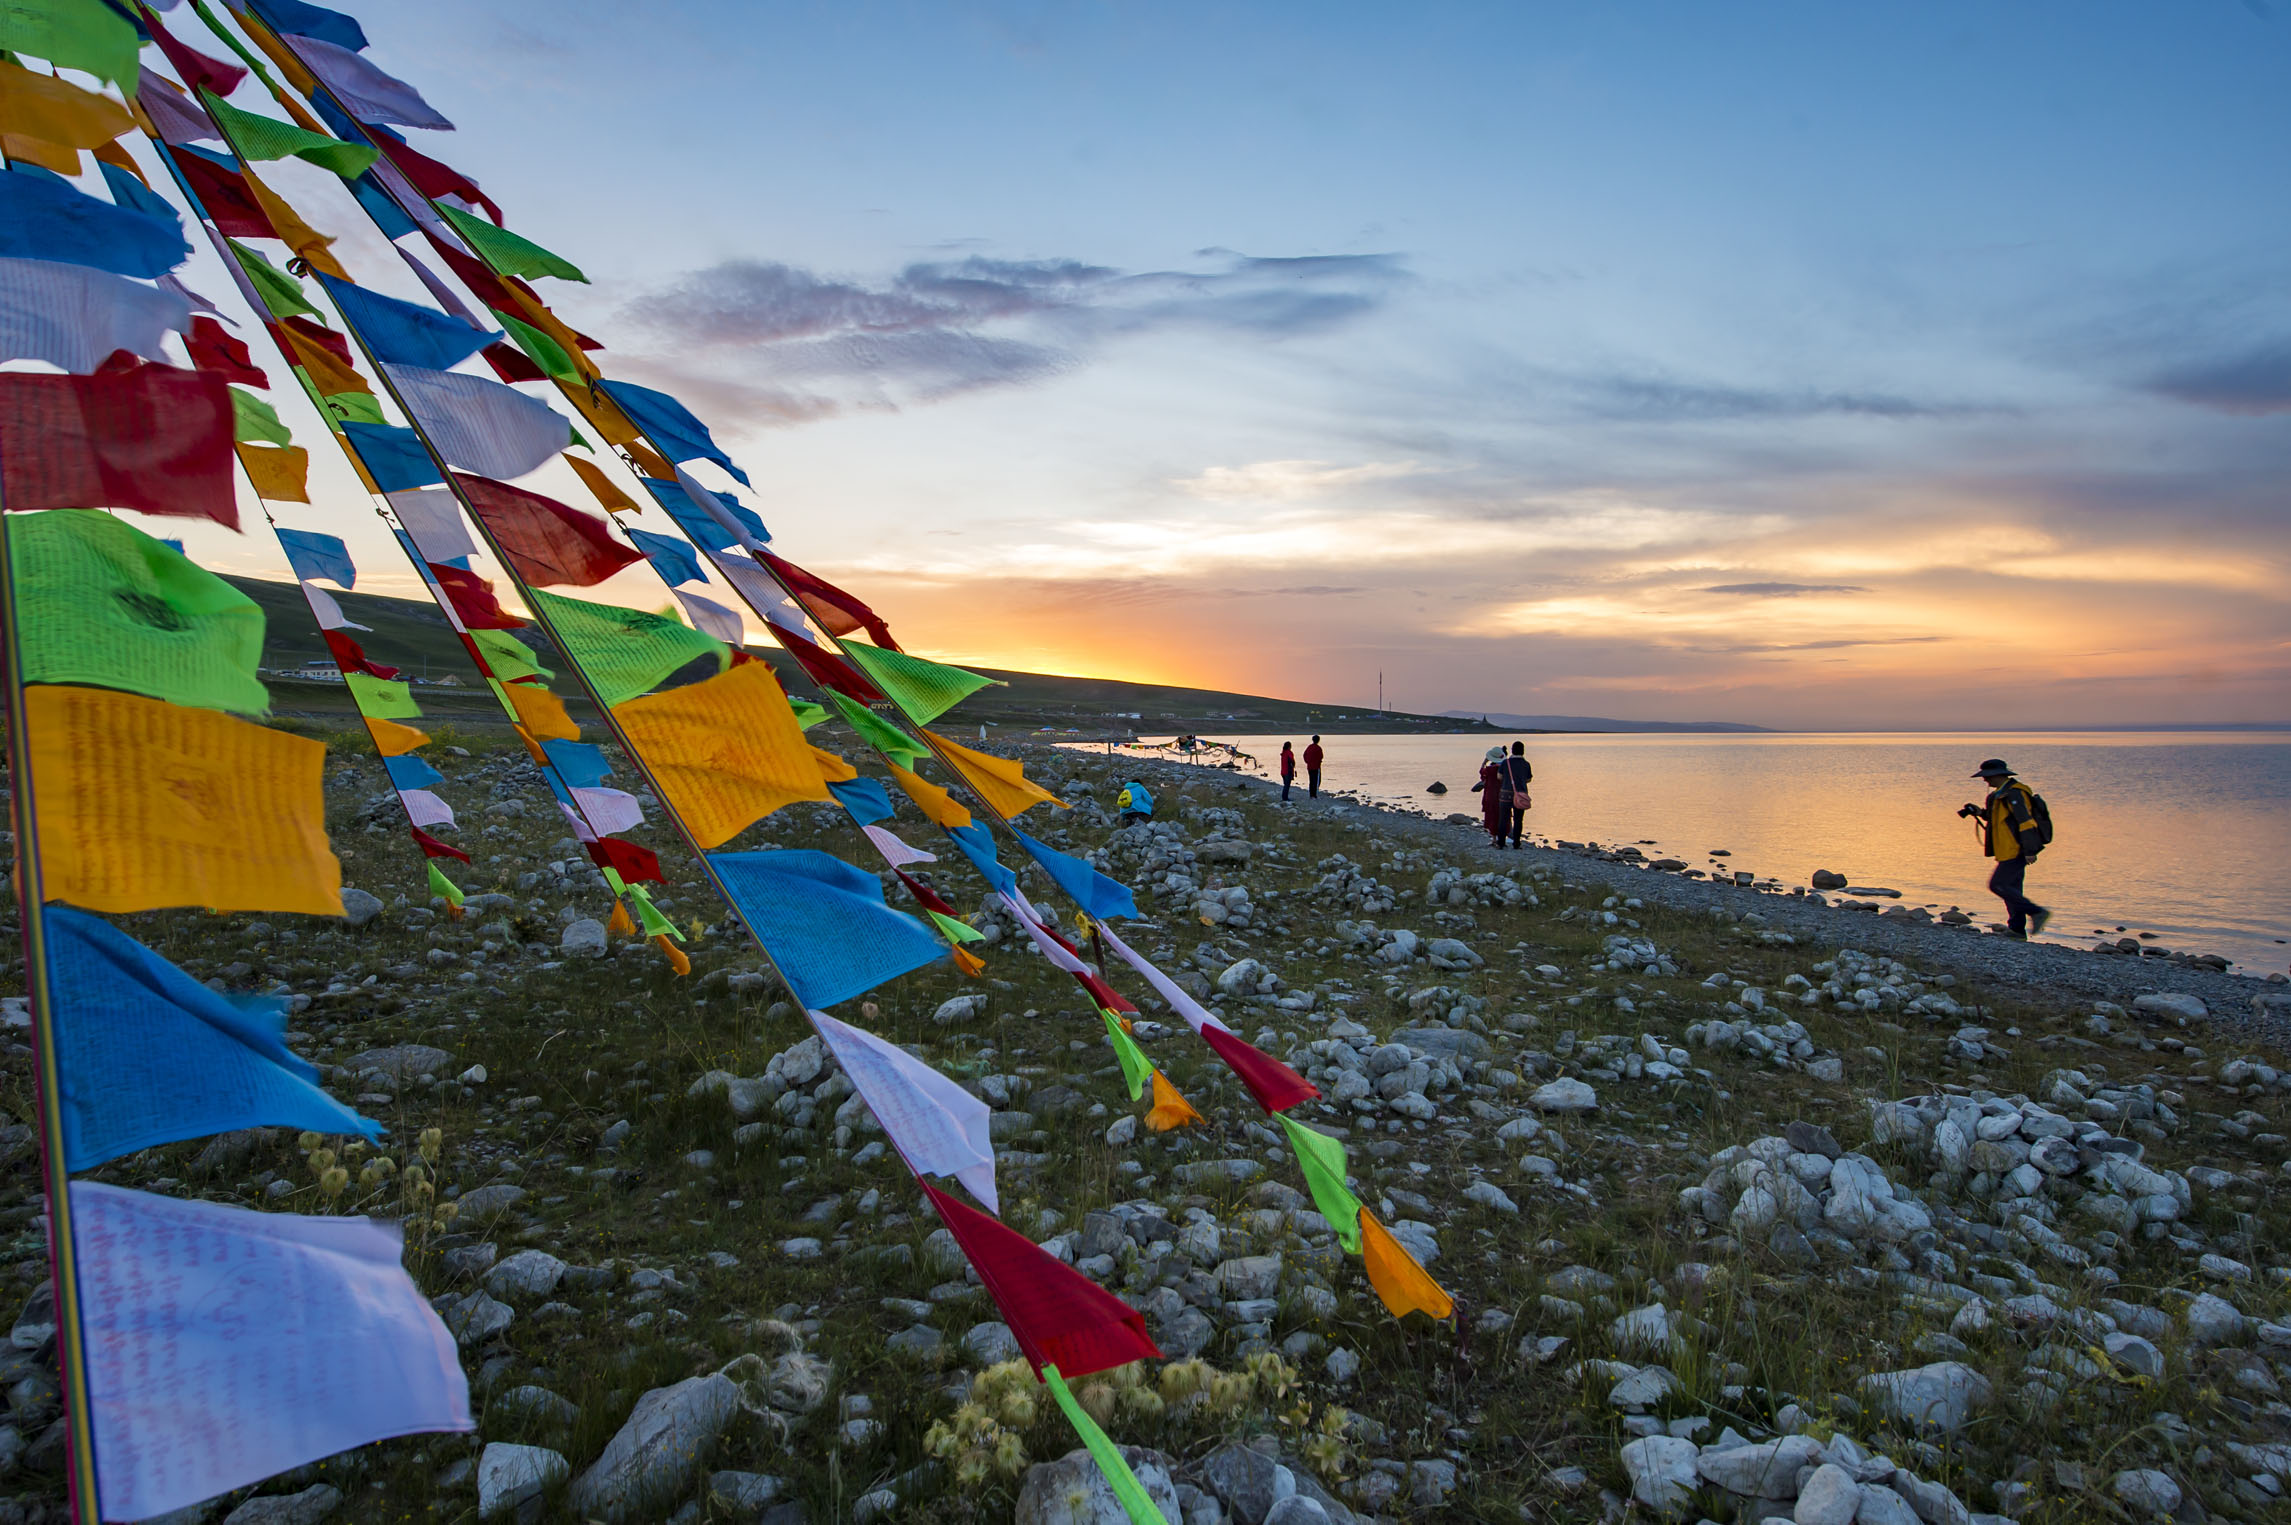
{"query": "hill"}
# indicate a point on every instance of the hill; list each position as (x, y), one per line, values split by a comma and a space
(1595, 723)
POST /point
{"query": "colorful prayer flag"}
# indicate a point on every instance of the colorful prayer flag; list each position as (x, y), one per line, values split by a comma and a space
(1137, 1069)
(879, 733)
(712, 618)
(75, 316)
(392, 739)
(280, 473)
(1127, 1490)
(935, 803)
(626, 652)
(262, 137)
(1000, 781)
(313, 555)
(480, 425)
(1322, 1159)
(632, 862)
(924, 690)
(547, 543)
(410, 772)
(509, 252)
(670, 424)
(395, 458)
(301, 19)
(405, 333)
(1403, 1285)
(977, 844)
(541, 713)
(862, 799)
(364, 90)
(1276, 1086)
(472, 599)
(1088, 888)
(152, 438)
(824, 921)
(1170, 1108)
(282, 296)
(432, 516)
(145, 805)
(219, 353)
(939, 1128)
(381, 697)
(838, 612)
(1058, 1316)
(674, 558)
(54, 110)
(255, 421)
(895, 852)
(74, 34)
(726, 752)
(609, 497)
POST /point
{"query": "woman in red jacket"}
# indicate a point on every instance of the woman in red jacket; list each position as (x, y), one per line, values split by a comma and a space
(1495, 812)
(1288, 770)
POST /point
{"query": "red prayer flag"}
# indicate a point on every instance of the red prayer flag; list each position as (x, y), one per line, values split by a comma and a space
(351, 657)
(926, 897)
(1276, 1086)
(548, 543)
(475, 274)
(224, 193)
(337, 345)
(838, 612)
(633, 863)
(215, 351)
(512, 364)
(432, 848)
(1107, 997)
(1059, 1316)
(472, 598)
(152, 438)
(195, 67)
(826, 668)
(430, 177)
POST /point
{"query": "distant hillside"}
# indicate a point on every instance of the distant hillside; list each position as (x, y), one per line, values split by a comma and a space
(1595, 723)
(412, 635)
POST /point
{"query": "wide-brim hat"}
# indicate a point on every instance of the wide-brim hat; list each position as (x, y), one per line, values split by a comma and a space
(1993, 768)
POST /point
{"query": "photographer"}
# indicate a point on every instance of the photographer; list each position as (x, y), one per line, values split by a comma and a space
(2015, 826)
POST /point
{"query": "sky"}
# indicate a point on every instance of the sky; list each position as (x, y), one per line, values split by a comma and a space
(1797, 364)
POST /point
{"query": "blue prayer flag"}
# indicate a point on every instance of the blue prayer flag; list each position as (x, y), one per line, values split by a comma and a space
(979, 848)
(149, 1055)
(133, 194)
(1085, 886)
(408, 771)
(824, 922)
(579, 764)
(673, 558)
(305, 20)
(680, 436)
(407, 333)
(173, 545)
(313, 555)
(387, 214)
(43, 216)
(697, 522)
(864, 799)
(394, 457)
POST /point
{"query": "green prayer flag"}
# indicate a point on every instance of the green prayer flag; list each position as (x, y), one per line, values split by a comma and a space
(879, 733)
(544, 351)
(506, 251)
(100, 602)
(356, 407)
(625, 652)
(509, 657)
(1137, 1069)
(74, 34)
(262, 137)
(648, 915)
(1135, 1502)
(582, 440)
(925, 690)
(956, 931)
(381, 698)
(280, 292)
(256, 422)
(807, 714)
(441, 885)
(1323, 1160)
(613, 878)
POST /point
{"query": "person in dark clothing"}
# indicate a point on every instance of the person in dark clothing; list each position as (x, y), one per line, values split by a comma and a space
(2012, 832)
(1495, 815)
(1288, 770)
(1313, 756)
(1517, 775)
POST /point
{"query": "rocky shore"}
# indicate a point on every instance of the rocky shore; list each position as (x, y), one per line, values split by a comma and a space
(1753, 1208)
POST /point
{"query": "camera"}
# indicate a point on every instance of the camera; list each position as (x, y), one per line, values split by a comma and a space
(1974, 811)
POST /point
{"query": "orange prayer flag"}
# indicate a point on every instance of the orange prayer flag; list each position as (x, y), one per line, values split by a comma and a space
(675, 955)
(144, 805)
(832, 768)
(935, 802)
(280, 473)
(55, 111)
(620, 924)
(726, 751)
(968, 962)
(541, 714)
(1000, 781)
(1170, 1109)
(301, 237)
(1404, 1285)
(394, 740)
(608, 496)
(648, 460)
(328, 372)
(24, 149)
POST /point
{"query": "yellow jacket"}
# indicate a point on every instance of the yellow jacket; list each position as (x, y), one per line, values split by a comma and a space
(2012, 829)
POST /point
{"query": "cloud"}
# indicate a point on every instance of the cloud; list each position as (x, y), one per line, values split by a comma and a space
(939, 328)
(1285, 481)
(1783, 589)
(2253, 380)
(1654, 400)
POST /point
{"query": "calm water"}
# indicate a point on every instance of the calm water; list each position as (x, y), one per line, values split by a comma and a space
(2184, 835)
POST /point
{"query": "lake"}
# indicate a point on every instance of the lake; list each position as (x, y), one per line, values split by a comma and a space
(2183, 835)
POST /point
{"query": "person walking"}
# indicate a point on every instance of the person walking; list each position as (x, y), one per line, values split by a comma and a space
(1517, 775)
(1288, 769)
(1494, 814)
(2015, 826)
(1313, 756)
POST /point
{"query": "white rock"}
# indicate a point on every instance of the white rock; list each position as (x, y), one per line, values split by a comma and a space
(1662, 1473)
(1564, 1097)
(1830, 1497)
(584, 938)
(2135, 1354)
(2214, 1321)
(2163, 1005)
(509, 1475)
(1939, 1397)
(1488, 1194)
(2146, 1491)
(1761, 1471)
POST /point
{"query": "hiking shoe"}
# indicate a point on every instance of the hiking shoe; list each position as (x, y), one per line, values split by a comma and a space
(2036, 920)
(2012, 936)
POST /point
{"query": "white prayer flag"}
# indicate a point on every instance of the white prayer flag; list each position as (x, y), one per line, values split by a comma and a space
(708, 503)
(580, 825)
(198, 302)
(225, 1346)
(938, 1126)
(609, 810)
(763, 594)
(178, 118)
(1180, 1000)
(1043, 940)
(432, 515)
(426, 809)
(481, 425)
(713, 618)
(74, 316)
(895, 852)
(326, 611)
(364, 90)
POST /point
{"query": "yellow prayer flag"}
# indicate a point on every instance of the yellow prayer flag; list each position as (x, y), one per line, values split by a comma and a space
(832, 768)
(1170, 1108)
(326, 371)
(53, 110)
(726, 751)
(1000, 781)
(280, 473)
(935, 802)
(612, 498)
(24, 149)
(296, 234)
(541, 714)
(1403, 1284)
(144, 805)
(394, 740)
(967, 961)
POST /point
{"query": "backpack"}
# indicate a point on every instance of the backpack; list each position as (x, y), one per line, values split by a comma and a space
(2042, 814)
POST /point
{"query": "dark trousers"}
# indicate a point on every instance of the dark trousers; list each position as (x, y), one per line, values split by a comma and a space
(1518, 820)
(1286, 780)
(2011, 874)
(1313, 782)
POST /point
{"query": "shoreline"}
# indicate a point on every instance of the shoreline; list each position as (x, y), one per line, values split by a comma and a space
(2250, 1006)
